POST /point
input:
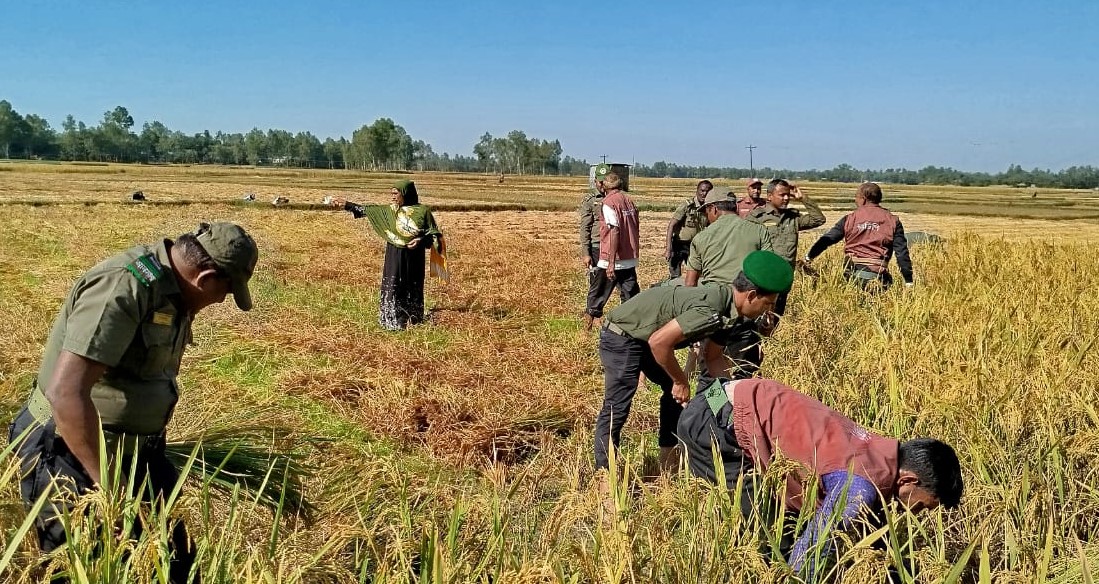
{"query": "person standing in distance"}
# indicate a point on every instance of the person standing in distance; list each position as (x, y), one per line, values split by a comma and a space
(686, 222)
(591, 206)
(752, 199)
(619, 247)
(784, 223)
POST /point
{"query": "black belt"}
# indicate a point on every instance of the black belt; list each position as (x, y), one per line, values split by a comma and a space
(610, 326)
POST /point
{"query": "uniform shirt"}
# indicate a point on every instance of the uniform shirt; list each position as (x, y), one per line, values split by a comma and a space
(690, 218)
(871, 235)
(719, 251)
(701, 311)
(127, 314)
(784, 224)
(589, 220)
(769, 417)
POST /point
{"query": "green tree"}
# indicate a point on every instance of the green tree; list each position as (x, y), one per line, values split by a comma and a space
(11, 128)
(255, 146)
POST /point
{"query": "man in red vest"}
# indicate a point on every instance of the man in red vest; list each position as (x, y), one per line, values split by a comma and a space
(619, 245)
(870, 235)
(746, 422)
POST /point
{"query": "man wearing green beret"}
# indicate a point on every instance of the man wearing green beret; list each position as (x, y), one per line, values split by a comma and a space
(641, 336)
(112, 357)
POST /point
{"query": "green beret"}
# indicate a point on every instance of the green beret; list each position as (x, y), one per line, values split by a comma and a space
(769, 272)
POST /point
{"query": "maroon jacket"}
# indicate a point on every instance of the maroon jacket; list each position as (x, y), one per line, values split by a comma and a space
(871, 235)
(769, 417)
(629, 234)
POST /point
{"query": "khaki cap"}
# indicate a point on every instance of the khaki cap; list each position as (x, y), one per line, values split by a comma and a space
(235, 252)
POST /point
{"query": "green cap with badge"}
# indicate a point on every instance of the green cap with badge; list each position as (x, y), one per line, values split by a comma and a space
(768, 271)
(235, 252)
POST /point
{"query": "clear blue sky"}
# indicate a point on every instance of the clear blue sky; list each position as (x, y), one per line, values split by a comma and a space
(973, 85)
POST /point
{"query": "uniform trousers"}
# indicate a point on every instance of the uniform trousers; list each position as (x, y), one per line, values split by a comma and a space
(708, 439)
(600, 288)
(624, 359)
(44, 457)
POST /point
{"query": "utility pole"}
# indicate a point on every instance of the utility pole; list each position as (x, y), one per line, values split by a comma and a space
(604, 159)
(751, 164)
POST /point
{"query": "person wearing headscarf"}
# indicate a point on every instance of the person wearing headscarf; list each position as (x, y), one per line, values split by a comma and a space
(408, 228)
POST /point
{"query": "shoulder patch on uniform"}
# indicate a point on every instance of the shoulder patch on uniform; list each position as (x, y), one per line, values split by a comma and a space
(146, 269)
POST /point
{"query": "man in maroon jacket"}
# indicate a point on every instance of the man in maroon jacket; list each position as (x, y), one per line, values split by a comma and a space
(619, 244)
(744, 423)
(870, 235)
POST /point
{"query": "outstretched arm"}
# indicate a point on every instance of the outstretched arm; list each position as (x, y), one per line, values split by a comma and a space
(845, 495)
(830, 238)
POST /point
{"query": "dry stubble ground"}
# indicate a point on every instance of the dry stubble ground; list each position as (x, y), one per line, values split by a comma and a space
(503, 374)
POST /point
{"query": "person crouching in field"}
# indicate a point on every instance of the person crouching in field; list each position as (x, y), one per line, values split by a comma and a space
(112, 357)
(870, 235)
(745, 423)
(642, 334)
(408, 229)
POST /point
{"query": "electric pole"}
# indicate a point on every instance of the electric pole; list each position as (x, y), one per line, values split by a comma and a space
(604, 159)
(751, 163)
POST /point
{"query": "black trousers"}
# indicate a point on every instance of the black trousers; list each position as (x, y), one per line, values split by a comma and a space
(624, 359)
(680, 251)
(708, 441)
(600, 288)
(402, 291)
(44, 456)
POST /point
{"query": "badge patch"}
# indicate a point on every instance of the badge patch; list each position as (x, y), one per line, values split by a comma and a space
(162, 318)
(146, 269)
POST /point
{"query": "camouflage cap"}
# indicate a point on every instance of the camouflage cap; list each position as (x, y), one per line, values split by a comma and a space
(718, 194)
(235, 252)
(768, 271)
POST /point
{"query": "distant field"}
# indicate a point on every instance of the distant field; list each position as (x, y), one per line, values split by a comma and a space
(25, 182)
(460, 450)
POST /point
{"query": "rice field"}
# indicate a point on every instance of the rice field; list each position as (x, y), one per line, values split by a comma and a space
(459, 451)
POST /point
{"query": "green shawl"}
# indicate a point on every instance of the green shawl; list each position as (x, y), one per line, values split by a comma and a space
(400, 225)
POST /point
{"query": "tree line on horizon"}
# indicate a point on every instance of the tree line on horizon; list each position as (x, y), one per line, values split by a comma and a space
(385, 145)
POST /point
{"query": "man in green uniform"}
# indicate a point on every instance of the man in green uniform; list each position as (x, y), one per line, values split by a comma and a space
(717, 256)
(112, 357)
(718, 252)
(784, 223)
(685, 223)
(642, 334)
